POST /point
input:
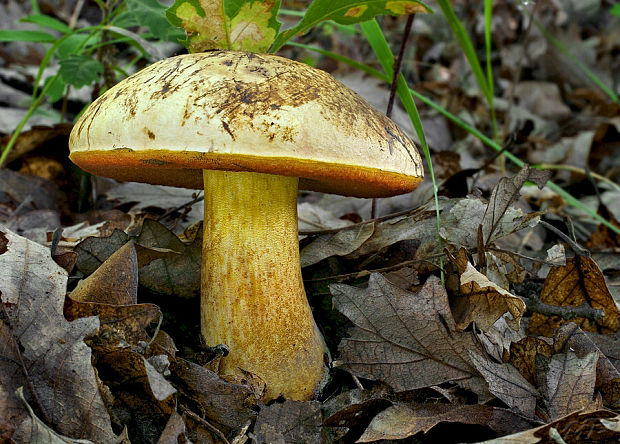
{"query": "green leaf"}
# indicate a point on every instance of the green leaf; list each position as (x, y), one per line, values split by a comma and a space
(47, 22)
(248, 25)
(14, 35)
(54, 87)
(615, 9)
(80, 70)
(347, 12)
(150, 13)
(72, 44)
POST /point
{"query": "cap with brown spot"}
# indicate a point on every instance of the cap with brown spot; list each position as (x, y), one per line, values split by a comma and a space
(241, 111)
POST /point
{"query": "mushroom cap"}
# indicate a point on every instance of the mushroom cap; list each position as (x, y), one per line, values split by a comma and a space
(239, 111)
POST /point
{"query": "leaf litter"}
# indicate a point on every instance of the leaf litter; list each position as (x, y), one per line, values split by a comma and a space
(521, 337)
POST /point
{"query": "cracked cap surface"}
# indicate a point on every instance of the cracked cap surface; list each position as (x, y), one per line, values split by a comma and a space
(239, 111)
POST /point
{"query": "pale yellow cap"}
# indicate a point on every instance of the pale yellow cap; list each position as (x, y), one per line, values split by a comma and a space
(241, 111)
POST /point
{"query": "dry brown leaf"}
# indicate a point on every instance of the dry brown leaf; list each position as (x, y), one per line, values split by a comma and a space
(115, 282)
(571, 337)
(32, 288)
(523, 356)
(142, 396)
(404, 420)
(604, 237)
(145, 197)
(592, 427)
(177, 274)
(291, 421)
(407, 340)
(174, 433)
(504, 269)
(507, 384)
(504, 195)
(33, 138)
(93, 251)
(225, 405)
(355, 408)
(579, 282)
(339, 243)
(120, 325)
(567, 383)
(111, 293)
(483, 301)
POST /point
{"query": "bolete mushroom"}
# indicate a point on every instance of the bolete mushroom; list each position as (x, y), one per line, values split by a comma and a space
(250, 129)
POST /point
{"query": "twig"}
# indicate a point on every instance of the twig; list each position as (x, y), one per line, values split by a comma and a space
(204, 423)
(361, 273)
(584, 310)
(357, 382)
(180, 207)
(390, 105)
(573, 244)
(520, 255)
(398, 63)
(365, 222)
(5, 317)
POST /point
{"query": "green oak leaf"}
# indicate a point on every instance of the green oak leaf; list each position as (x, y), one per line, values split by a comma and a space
(347, 12)
(247, 25)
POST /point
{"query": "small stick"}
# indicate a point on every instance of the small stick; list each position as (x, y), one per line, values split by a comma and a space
(574, 245)
(584, 310)
(397, 63)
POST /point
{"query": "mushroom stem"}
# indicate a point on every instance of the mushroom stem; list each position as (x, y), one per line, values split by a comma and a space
(253, 299)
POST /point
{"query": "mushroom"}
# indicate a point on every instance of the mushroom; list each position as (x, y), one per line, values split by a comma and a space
(251, 129)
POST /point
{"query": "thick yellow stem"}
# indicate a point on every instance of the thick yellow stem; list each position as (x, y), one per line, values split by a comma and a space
(253, 299)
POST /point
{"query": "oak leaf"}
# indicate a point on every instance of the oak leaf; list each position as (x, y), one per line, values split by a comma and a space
(405, 339)
(578, 282)
(32, 288)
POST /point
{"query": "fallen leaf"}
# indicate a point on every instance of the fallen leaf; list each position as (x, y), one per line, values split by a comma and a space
(557, 255)
(144, 197)
(507, 384)
(408, 340)
(93, 251)
(30, 192)
(227, 406)
(291, 421)
(340, 243)
(33, 138)
(498, 339)
(523, 356)
(578, 427)
(32, 288)
(174, 433)
(542, 98)
(115, 282)
(579, 282)
(141, 395)
(504, 195)
(571, 337)
(484, 302)
(354, 409)
(401, 421)
(567, 383)
(176, 274)
(37, 431)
